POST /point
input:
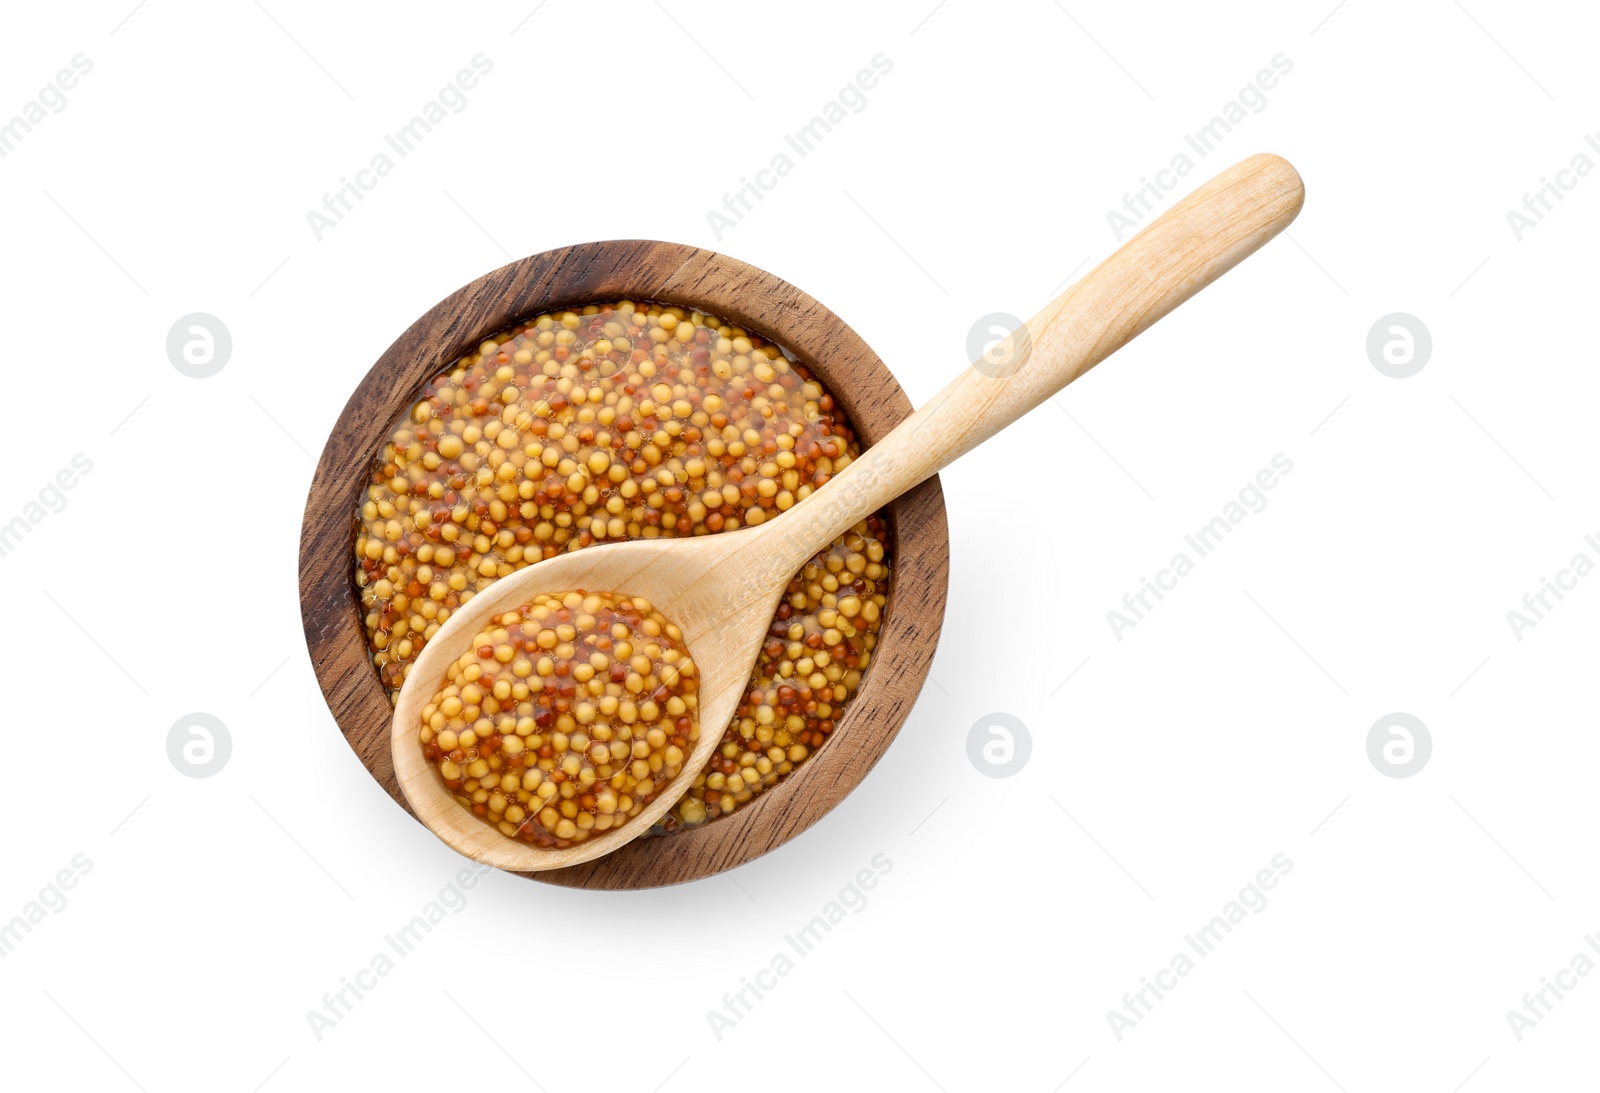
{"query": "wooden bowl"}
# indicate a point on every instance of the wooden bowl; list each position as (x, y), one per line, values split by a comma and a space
(667, 273)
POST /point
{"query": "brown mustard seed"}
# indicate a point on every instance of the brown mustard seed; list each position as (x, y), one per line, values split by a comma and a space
(625, 421)
(565, 717)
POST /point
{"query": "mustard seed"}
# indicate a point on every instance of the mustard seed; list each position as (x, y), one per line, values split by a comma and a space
(529, 768)
(610, 422)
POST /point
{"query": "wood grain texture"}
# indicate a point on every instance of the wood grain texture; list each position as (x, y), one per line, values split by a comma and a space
(670, 273)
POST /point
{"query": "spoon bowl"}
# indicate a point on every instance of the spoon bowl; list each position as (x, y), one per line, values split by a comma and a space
(710, 586)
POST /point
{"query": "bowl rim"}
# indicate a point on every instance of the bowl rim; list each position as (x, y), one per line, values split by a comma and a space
(643, 270)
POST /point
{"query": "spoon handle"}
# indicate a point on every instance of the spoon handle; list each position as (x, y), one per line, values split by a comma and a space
(1186, 248)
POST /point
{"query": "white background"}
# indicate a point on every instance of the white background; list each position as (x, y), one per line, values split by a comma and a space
(1227, 727)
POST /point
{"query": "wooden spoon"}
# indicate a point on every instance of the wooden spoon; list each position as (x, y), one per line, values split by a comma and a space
(722, 590)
